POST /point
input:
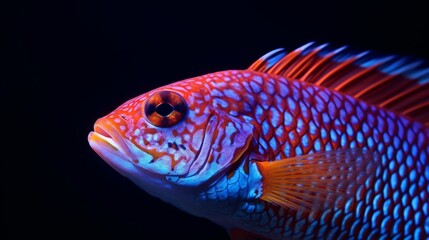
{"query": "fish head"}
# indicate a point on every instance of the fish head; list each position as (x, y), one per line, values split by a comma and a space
(170, 136)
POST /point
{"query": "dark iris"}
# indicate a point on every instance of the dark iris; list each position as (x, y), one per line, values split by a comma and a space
(165, 109)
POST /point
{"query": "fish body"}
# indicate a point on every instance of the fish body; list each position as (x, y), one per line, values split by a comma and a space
(314, 144)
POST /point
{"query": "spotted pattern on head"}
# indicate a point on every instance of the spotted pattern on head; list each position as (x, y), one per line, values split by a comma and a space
(193, 133)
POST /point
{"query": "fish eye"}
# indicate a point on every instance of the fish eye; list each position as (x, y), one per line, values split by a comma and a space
(165, 109)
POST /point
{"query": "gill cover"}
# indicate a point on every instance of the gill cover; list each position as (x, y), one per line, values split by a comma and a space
(225, 140)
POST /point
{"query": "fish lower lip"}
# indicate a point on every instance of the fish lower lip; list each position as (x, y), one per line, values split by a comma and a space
(109, 151)
(100, 140)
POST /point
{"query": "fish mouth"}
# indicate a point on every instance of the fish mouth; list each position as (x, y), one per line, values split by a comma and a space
(108, 143)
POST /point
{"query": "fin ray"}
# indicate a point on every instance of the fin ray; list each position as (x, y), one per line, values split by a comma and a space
(315, 181)
(389, 81)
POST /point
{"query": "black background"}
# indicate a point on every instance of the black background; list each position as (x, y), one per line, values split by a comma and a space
(67, 63)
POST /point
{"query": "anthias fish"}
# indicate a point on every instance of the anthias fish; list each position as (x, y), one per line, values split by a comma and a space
(318, 143)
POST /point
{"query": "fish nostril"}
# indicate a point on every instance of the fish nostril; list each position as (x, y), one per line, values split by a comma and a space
(123, 117)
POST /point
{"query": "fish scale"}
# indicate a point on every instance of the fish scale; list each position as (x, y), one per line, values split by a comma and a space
(376, 199)
(315, 144)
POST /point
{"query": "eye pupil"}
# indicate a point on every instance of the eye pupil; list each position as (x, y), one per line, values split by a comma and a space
(164, 109)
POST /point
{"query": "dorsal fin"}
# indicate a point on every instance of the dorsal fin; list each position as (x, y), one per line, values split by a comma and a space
(396, 83)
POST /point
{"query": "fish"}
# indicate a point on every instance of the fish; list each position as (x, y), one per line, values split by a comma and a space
(322, 142)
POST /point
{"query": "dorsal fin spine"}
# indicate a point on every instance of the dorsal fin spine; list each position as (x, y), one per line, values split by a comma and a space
(289, 58)
(398, 96)
(417, 107)
(360, 74)
(420, 74)
(395, 83)
(272, 60)
(339, 67)
(282, 64)
(407, 68)
(297, 69)
(304, 47)
(374, 85)
(326, 58)
(268, 60)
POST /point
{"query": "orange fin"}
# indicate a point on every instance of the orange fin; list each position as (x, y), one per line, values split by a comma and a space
(399, 84)
(268, 60)
(240, 234)
(316, 181)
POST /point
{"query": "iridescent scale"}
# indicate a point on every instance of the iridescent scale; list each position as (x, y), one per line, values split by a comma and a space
(296, 118)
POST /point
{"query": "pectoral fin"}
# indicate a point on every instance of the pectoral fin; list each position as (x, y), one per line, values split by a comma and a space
(316, 181)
